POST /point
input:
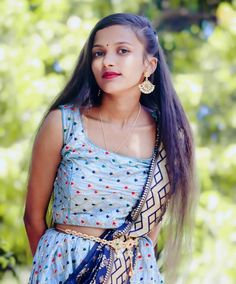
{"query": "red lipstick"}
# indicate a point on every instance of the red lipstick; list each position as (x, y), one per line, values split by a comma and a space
(110, 75)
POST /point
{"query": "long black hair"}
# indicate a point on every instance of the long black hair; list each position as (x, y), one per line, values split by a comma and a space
(176, 136)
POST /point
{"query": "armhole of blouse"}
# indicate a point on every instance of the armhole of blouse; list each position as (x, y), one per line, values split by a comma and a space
(64, 123)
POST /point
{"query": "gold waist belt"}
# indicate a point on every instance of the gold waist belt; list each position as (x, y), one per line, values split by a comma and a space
(123, 242)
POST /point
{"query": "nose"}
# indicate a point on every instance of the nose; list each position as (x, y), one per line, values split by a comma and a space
(108, 59)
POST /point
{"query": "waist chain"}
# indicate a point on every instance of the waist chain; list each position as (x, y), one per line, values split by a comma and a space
(122, 242)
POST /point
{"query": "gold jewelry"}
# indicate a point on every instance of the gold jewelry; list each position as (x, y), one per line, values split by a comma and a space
(123, 242)
(116, 244)
(146, 87)
(130, 130)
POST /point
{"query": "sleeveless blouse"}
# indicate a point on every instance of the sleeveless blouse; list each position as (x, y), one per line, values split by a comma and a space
(94, 187)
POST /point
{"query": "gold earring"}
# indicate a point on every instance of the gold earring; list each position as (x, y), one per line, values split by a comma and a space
(146, 87)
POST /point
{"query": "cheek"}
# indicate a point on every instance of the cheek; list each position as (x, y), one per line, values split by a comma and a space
(95, 68)
(134, 66)
(135, 71)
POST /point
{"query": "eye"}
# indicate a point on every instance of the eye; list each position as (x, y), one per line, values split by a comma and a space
(123, 50)
(98, 53)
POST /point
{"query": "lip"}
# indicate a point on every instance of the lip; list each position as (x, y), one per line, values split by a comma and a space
(110, 75)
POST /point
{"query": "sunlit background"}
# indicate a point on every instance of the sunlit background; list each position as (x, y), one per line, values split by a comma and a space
(39, 44)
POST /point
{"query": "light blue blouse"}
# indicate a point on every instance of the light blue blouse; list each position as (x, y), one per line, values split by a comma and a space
(94, 187)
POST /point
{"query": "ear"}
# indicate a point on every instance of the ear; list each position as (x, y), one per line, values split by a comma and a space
(151, 65)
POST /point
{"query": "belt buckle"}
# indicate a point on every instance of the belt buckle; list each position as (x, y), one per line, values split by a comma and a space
(126, 242)
(130, 242)
(117, 244)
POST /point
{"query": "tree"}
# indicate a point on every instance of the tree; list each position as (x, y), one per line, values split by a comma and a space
(39, 45)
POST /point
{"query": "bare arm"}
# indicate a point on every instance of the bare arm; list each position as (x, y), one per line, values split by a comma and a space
(44, 163)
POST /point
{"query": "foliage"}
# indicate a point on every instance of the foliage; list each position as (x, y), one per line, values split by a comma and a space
(40, 41)
(7, 260)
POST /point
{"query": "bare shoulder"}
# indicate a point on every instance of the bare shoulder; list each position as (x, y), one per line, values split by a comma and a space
(53, 120)
(50, 132)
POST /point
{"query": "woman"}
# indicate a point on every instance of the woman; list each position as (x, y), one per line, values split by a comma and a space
(104, 149)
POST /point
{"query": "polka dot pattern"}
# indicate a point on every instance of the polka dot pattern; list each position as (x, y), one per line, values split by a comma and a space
(93, 188)
(93, 182)
(58, 254)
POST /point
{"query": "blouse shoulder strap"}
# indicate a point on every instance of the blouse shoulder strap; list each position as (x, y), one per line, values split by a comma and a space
(68, 120)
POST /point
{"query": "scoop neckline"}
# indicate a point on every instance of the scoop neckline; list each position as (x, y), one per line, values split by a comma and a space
(104, 150)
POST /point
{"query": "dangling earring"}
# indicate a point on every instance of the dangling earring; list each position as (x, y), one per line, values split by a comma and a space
(99, 93)
(146, 87)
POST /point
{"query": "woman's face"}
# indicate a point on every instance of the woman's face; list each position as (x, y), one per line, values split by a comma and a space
(118, 60)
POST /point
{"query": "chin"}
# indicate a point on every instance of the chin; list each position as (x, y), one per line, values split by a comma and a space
(118, 91)
(113, 91)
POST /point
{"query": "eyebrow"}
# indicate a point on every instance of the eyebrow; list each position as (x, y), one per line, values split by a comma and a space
(117, 43)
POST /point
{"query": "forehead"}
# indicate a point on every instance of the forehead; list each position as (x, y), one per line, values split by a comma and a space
(117, 33)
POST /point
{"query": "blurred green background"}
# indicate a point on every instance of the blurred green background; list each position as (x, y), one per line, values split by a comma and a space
(39, 44)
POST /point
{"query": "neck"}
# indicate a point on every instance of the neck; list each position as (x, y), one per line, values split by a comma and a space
(118, 111)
